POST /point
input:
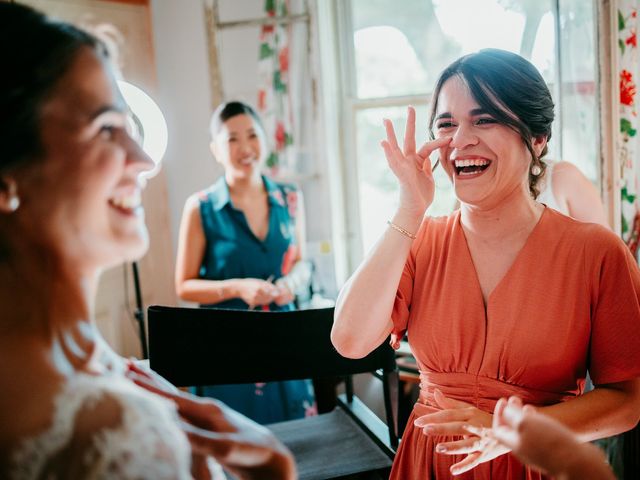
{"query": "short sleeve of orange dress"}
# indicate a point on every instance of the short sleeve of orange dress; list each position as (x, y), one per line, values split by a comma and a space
(614, 352)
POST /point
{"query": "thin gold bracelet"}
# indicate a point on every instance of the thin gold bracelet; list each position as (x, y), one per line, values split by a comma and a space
(401, 230)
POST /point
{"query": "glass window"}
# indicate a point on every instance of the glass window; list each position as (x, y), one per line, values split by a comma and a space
(384, 57)
(579, 99)
(417, 43)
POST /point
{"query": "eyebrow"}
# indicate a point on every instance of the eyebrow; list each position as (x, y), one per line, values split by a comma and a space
(475, 112)
(122, 110)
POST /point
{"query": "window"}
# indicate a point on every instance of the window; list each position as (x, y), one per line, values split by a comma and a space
(391, 55)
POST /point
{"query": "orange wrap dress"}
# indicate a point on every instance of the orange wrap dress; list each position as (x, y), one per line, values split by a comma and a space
(569, 303)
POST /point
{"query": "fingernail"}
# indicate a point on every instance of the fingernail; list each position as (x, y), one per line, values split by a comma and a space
(441, 448)
(429, 429)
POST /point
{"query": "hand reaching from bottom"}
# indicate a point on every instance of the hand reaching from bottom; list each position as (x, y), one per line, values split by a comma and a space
(546, 444)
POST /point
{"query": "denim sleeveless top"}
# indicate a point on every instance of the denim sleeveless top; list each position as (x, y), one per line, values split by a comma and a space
(233, 251)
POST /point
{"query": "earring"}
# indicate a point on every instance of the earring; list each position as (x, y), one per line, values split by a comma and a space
(536, 170)
(14, 203)
(14, 200)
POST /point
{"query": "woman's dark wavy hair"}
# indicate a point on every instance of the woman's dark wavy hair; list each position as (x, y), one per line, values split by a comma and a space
(35, 52)
(512, 91)
(229, 110)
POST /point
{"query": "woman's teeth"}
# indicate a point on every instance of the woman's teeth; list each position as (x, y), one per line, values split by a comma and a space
(470, 167)
(127, 202)
(470, 163)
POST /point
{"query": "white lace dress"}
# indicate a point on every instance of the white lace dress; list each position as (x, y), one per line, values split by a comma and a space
(136, 435)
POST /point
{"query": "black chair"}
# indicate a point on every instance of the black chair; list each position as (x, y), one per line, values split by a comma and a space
(201, 346)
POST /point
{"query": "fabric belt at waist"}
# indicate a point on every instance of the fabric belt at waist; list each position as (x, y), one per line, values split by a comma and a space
(482, 392)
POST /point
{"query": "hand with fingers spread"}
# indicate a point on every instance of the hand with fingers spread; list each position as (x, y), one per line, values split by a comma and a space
(240, 445)
(457, 418)
(412, 167)
(544, 443)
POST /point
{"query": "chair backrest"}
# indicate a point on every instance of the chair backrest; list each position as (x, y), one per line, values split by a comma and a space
(208, 346)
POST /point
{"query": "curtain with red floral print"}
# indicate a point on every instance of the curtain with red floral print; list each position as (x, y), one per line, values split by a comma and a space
(627, 142)
(622, 450)
(274, 103)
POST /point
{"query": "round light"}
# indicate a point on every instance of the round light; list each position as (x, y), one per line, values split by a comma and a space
(150, 122)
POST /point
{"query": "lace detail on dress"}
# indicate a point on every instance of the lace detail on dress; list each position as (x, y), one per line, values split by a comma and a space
(146, 441)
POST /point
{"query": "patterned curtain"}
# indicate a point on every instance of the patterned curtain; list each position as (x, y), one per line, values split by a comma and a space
(623, 450)
(273, 102)
(627, 142)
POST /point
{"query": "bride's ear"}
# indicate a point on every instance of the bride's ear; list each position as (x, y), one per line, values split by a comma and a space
(9, 199)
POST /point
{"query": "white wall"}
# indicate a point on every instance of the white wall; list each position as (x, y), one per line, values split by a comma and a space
(185, 98)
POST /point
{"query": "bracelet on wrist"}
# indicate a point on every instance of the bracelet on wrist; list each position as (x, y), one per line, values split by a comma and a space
(401, 230)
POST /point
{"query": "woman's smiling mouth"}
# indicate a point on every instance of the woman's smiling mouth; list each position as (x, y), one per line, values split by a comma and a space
(130, 204)
(469, 166)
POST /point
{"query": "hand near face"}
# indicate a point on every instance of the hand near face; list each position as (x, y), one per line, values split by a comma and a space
(459, 418)
(412, 167)
(255, 292)
(240, 445)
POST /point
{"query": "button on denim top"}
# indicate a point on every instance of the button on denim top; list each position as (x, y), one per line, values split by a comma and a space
(233, 251)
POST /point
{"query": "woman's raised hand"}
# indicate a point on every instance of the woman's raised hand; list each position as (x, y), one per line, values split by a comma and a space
(411, 167)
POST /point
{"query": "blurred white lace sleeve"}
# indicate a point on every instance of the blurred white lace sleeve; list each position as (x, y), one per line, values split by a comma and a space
(106, 427)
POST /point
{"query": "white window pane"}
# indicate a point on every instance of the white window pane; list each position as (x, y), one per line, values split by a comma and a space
(579, 88)
(520, 26)
(386, 49)
(403, 52)
(543, 54)
(472, 23)
(411, 46)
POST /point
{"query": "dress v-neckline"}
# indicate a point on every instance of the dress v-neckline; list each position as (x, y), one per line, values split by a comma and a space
(246, 222)
(253, 234)
(509, 270)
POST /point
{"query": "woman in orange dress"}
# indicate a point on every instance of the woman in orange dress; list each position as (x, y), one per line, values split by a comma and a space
(505, 296)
